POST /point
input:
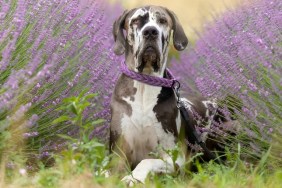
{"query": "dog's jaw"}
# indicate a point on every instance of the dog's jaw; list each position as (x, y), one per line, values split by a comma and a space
(149, 58)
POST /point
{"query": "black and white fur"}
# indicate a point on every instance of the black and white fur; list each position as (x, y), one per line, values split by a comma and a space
(144, 117)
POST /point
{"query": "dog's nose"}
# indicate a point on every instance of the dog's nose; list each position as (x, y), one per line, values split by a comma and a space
(150, 32)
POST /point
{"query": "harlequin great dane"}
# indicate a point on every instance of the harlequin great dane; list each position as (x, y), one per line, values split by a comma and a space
(145, 118)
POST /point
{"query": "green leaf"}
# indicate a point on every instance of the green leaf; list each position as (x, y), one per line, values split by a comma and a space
(87, 126)
(61, 119)
(83, 105)
(85, 138)
(62, 107)
(78, 119)
(66, 137)
(98, 121)
(174, 155)
(73, 108)
(82, 93)
(89, 96)
(97, 144)
(70, 99)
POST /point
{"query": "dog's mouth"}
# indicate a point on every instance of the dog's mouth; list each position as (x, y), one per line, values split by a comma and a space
(149, 58)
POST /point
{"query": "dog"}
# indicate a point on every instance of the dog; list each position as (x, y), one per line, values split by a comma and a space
(145, 118)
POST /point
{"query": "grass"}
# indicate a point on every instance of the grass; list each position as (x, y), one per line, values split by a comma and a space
(84, 161)
(68, 172)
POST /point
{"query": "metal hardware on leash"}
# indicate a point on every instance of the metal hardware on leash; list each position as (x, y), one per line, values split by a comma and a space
(176, 87)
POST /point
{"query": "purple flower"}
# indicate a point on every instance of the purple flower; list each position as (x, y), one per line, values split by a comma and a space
(240, 55)
(30, 134)
(54, 50)
(44, 154)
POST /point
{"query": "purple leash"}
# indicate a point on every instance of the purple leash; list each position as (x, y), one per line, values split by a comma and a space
(151, 80)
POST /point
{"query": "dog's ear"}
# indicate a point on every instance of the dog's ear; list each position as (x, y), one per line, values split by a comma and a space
(180, 40)
(119, 38)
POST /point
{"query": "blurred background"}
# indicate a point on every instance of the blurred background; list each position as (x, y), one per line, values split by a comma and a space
(193, 14)
(55, 56)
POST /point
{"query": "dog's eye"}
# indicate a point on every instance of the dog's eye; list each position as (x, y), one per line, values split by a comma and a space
(163, 21)
(135, 21)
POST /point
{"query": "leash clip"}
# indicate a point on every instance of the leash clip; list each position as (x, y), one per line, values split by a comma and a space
(176, 87)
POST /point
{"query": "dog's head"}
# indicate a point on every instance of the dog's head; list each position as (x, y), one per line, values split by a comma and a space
(147, 31)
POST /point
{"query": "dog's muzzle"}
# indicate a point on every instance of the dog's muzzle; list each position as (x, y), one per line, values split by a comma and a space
(150, 55)
(150, 33)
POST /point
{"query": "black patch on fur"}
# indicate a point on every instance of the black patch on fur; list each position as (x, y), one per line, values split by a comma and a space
(163, 42)
(165, 94)
(142, 21)
(166, 110)
(155, 67)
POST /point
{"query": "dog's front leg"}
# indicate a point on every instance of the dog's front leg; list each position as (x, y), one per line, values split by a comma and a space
(146, 166)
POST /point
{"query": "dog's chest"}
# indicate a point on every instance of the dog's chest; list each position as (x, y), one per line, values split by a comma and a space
(141, 130)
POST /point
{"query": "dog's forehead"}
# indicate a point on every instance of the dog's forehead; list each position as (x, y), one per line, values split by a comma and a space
(139, 12)
(154, 12)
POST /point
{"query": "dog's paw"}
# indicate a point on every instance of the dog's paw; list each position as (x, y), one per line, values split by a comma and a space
(130, 180)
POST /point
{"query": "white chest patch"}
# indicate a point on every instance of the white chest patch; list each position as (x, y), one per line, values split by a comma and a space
(142, 130)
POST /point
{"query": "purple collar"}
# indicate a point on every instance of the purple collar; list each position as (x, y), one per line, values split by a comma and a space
(151, 80)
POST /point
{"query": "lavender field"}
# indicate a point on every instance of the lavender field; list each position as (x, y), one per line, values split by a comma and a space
(58, 69)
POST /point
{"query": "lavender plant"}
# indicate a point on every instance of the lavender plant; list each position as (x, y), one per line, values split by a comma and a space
(51, 50)
(240, 55)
